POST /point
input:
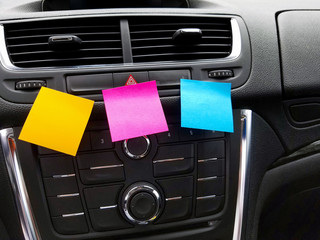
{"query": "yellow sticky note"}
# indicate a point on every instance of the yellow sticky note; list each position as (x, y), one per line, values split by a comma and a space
(57, 121)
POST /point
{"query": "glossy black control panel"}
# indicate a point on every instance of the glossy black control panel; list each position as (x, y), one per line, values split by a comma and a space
(185, 167)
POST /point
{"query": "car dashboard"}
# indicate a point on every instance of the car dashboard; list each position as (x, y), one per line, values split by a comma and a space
(185, 183)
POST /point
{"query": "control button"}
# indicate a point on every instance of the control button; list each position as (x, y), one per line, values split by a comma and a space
(177, 151)
(220, 74)
(210, 186)
(210, 168)
(107, 219)
(120, 79)
(85, 144)
(89, 84)
(209, 150)
(209, 205)
(141, 203)
(213, 134)
(101, 140)
(188, 134)
(137, 148)
(177, 187)
(176, 210)
(56, 166)
(168, 167)
(143, 206)
(171, 136)
(30, 84)
(103, 174)
(44, 151)
(73, 224)
(102, 196)
(96, 160)
(66, 204)
(60, 186)
(169, 77)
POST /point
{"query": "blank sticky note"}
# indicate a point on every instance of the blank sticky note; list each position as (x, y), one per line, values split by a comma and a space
(57, 121)
(134, 111)
(206, 105)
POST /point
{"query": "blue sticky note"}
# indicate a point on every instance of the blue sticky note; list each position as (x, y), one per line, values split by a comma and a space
(206, 105)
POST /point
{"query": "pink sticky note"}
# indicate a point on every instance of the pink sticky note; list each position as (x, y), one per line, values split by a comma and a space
(134, 111)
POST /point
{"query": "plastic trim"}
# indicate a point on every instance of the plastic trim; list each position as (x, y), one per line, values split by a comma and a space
(246, 127)
(27, 219)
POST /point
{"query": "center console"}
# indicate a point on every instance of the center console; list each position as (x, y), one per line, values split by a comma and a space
(184, 177)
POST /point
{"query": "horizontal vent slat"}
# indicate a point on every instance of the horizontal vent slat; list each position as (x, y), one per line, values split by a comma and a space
(174, 46)
(152, 38)
(27, 42)
(60, 28)
(71, 52)
(79, 34)
(174, 54)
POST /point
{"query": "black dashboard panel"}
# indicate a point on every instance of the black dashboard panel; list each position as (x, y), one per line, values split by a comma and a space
(274, 75)
(194, 173)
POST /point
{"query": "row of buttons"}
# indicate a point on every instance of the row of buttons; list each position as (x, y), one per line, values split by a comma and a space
(63, 196)
(91, 140)
(93, 84)
(178, 134)
(179, 159)
(211, 181)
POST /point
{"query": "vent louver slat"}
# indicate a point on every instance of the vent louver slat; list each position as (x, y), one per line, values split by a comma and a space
(27, 43)
(151, 38)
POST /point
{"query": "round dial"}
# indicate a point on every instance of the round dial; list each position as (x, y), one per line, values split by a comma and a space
(141, 203)
(136, 148)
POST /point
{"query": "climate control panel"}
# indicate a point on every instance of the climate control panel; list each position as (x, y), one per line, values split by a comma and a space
(146, 181)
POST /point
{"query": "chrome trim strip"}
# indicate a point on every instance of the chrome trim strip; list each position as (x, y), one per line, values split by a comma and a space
(207, 160)
(207, 178)
(26, 216)
(6, 62)
(68, 195)
(246, 121)
(168, 160)
(108, 207)
(4, 55)
(73, 214)
(206, 197)
(64, 176)
(236, 40)
(107, 166)
(174, 198)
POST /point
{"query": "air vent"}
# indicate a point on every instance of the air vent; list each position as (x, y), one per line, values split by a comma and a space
(28, 46)
(151, 38)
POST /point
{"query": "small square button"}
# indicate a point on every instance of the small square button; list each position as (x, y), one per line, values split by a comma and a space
(101, 140)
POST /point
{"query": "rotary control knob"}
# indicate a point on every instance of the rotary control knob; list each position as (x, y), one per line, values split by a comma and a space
(137, 148)
(141, 203)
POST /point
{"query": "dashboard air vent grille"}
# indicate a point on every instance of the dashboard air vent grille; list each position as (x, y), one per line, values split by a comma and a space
(27, 42)
(151, 38)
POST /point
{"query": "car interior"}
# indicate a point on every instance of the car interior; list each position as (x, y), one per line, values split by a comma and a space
(259, 182)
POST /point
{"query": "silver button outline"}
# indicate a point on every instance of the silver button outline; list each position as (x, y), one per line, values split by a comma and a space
(133, 156)
(136, 188)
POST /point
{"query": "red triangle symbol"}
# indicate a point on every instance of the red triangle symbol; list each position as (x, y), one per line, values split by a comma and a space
(131, 81)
